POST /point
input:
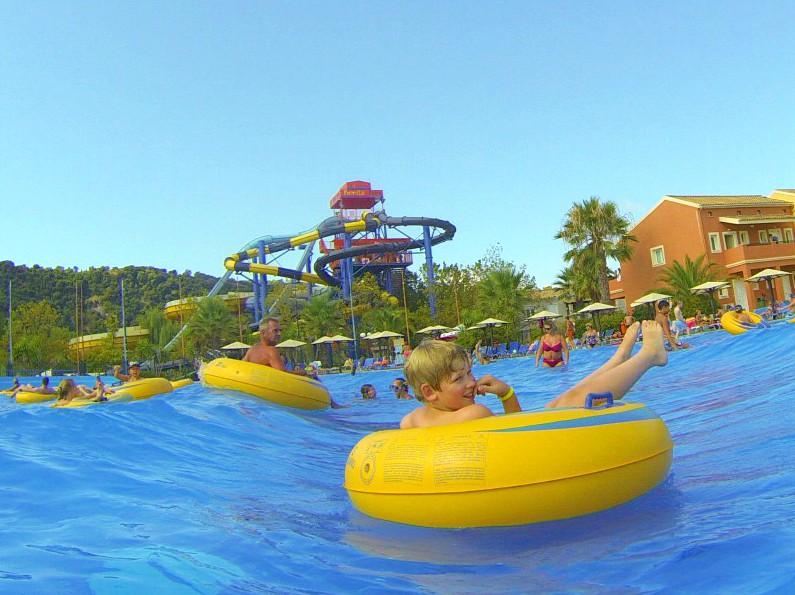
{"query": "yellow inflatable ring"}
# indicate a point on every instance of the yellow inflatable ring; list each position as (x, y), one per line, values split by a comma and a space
(175, 384)
(282, 388)
(32, 397)
(510, 469)
(136, 390)
(729, 322)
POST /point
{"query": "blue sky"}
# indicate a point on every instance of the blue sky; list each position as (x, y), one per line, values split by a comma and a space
(170, 134)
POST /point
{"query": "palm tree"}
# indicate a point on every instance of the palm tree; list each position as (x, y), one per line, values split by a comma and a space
(574, 285)
(680, 277)
(211, 325)
(596, 231)
(388, 318)
(505, 291)
(322, 315)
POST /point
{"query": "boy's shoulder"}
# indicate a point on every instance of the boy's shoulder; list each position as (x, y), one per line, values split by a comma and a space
(424, 417)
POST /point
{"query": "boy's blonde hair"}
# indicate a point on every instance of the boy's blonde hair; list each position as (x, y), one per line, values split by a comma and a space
(432, 362)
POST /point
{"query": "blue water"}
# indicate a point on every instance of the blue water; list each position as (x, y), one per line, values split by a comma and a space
(205, 491)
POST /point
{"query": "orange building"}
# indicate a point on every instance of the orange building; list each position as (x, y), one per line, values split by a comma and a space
(742, 235)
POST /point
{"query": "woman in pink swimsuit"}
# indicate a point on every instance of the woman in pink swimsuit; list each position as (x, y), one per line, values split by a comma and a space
(553, 348)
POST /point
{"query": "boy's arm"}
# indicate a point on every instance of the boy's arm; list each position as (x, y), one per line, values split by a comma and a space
(505, 393)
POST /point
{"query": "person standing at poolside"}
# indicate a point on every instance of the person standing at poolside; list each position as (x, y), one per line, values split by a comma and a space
(662, 312)
(570, 329)
(627, 322)
(680, 324)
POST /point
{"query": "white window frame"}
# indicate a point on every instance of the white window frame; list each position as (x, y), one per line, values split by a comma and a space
(744, 241)
(763, 236)
(788, 239)
(733, 236)
(654, 261)
(714, 242)
(775, 232)
(723, 292)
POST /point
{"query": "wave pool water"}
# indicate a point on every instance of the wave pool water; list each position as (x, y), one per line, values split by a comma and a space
(208, 491)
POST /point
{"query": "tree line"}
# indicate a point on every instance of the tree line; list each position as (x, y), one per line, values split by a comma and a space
(52, 305)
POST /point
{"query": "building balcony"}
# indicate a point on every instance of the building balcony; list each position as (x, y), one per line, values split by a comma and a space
(752, 253)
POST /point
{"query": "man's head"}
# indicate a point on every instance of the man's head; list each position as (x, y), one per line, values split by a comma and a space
(433, 362)
(135, 368)
(663, 305)
(270, 331)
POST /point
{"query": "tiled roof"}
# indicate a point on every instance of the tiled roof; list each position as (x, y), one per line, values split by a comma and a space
(730, 201)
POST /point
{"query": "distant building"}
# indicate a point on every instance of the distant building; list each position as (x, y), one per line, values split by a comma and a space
(742, 235)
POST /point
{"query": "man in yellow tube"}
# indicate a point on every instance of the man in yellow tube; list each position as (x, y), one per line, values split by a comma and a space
(265, 352)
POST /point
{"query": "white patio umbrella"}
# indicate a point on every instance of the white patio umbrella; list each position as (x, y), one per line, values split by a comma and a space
(709, 288)
(235, 345)
(381, 335)
(490, 323)
(768, 275)
(291, 343)
(650, 298)
(594, 309)
(437, 328)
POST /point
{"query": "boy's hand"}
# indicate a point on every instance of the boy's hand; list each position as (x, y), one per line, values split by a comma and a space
(490, 384)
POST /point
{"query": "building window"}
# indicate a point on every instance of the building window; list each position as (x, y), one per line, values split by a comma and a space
(774, 235)
(762, 236)
(657, 256)
(744, 241)
(729, 239)
(714, 242)
(723, 293)
(787, 235)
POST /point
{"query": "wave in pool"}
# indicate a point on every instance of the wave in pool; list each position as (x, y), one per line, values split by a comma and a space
(208, 491)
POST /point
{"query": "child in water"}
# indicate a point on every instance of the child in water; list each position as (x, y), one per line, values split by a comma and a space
(441, 374)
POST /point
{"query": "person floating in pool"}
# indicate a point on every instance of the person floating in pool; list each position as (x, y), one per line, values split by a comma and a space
(15, 386)
(400, 387)
(68, 391)
(741, 316)
(44, 389)
(553, 348)
(133, 376)
(264, 352)
(441, 374)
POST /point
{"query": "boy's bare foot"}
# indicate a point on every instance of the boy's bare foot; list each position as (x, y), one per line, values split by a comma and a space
(627, 343)
(653, 344)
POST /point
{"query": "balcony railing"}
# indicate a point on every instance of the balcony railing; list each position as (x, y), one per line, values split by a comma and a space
(745, 252)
